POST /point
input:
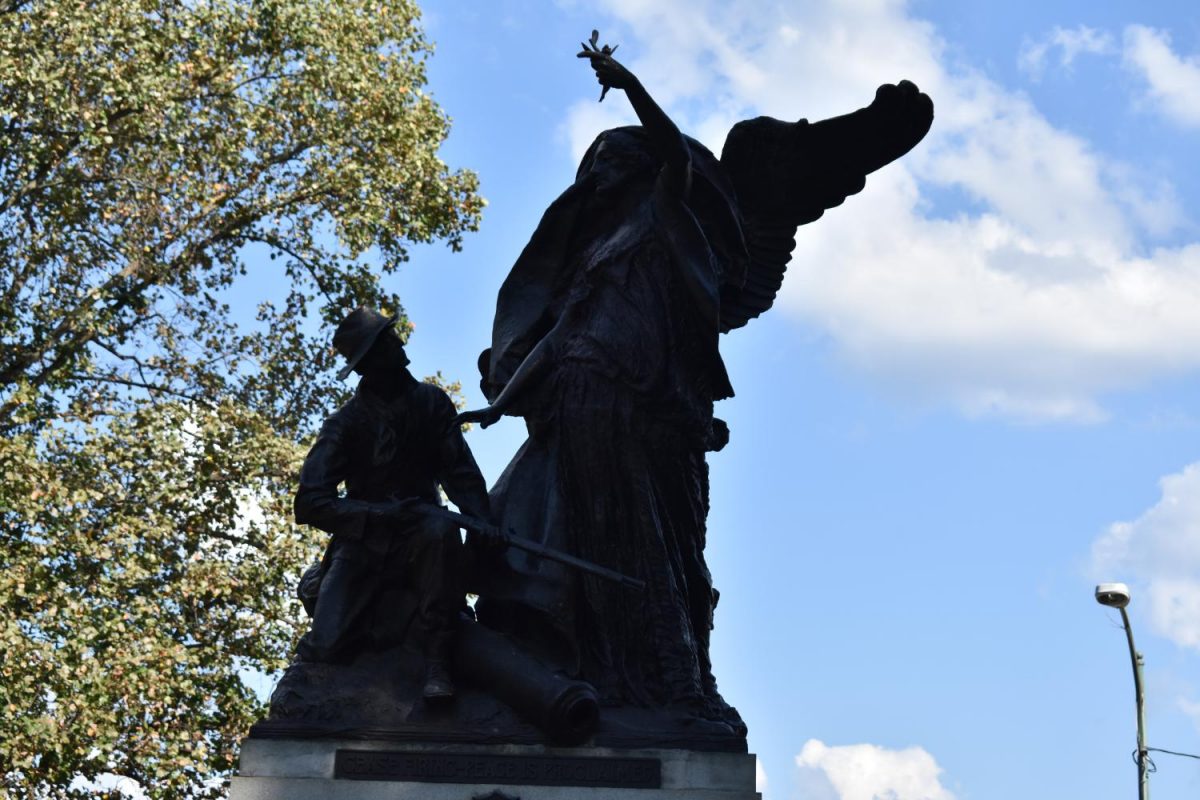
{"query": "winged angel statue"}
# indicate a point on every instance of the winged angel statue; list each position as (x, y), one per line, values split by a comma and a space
(606, 341)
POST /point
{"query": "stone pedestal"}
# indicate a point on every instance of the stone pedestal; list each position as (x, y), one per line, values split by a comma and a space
(345, 769)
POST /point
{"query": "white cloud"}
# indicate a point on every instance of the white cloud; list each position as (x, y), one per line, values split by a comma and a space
(868, 772)
(1033, 304)
(1070, 43)
(586, 120)
(760, 776)
(1158, 554)
(1172, 81)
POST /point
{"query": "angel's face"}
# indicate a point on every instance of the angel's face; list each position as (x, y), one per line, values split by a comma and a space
(618, 157)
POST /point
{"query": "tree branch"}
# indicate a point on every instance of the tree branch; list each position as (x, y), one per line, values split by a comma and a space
(277, 243)
(253, 541)
(124, 381)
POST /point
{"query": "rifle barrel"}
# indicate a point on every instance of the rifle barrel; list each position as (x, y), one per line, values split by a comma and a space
(529, 546)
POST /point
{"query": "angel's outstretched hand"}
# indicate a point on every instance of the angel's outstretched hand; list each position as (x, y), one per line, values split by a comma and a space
(484, 416)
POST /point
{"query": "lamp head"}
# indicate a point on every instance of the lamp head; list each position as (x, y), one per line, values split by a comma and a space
(1114, 595)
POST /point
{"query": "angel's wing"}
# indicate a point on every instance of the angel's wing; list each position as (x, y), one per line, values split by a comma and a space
(786, 175)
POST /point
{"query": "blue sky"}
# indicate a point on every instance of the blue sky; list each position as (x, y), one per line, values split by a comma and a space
(976, 396)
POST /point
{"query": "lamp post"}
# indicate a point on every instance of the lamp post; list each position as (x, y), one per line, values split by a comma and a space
(1116, 595)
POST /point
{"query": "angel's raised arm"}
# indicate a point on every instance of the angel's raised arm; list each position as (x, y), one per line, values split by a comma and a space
(664, 134)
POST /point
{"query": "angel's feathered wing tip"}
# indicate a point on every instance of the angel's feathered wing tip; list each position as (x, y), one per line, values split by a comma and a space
(787, 174)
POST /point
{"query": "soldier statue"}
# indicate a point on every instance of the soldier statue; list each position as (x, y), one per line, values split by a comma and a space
(391, 446)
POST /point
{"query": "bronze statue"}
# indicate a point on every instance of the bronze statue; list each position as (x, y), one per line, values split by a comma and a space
(606, 341)
(392, 638)
(392, 445)
(595, 602)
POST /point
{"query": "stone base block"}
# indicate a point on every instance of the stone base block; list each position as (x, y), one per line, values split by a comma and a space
(333, 769)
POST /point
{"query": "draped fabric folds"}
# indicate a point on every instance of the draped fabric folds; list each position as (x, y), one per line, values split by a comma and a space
(626, 277)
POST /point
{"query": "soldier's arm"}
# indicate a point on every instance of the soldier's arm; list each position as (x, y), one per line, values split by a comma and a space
(318, 502)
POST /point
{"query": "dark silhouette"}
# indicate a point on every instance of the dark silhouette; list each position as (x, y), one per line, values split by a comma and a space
(395, 442)
(391, 632)
(606, 342)
(595, 602)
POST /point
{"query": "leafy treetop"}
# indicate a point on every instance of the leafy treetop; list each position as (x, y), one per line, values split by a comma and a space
(159, 162)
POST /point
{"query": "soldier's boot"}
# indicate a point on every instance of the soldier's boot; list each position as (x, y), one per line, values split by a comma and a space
(438, 683)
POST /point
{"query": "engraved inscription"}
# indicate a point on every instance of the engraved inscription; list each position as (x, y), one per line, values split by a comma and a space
(384, 765)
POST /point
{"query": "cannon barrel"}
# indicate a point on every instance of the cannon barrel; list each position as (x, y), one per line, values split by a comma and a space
(566, 710)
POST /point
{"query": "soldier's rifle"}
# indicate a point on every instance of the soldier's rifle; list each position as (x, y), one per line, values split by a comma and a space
(510, 539)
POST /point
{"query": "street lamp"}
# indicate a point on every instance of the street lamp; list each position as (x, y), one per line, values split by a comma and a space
(1116, 595)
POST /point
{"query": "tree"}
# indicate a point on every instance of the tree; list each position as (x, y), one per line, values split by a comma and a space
(158, 162)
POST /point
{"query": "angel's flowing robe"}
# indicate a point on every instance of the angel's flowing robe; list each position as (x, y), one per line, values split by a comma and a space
(624, 274)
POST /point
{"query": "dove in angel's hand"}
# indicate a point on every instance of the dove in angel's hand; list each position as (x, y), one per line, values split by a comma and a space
(608, 71)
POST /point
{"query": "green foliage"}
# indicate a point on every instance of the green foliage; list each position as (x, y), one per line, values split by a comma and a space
(146, 564)
(156, 159)
(147, 147)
